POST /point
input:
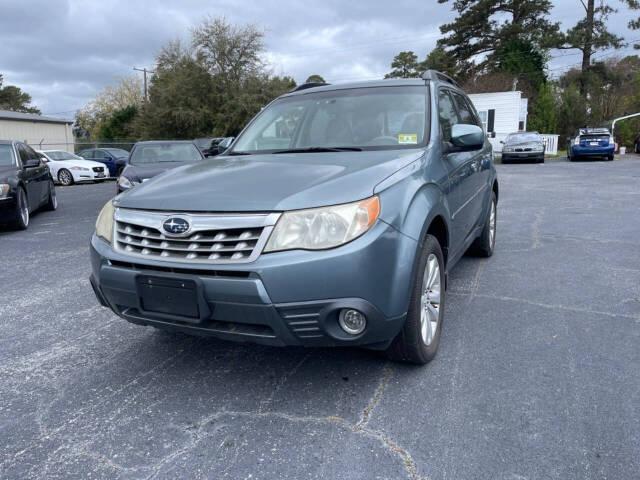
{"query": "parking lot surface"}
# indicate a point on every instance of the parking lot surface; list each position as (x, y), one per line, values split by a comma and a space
(538, 373)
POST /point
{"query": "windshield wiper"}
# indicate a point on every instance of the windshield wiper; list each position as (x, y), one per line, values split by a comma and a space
(319, 150)
(237, 153)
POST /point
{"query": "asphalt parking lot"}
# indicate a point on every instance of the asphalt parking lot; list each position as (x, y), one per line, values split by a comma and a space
(537, 377)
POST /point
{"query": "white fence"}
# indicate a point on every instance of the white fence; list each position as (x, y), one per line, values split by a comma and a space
(550, 143)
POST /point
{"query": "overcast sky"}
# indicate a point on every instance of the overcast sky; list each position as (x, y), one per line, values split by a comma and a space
(63, 51)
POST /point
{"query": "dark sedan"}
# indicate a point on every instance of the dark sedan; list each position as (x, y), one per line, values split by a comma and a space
(523, 146)
(149, 159)
(25, 184)
(114, 158)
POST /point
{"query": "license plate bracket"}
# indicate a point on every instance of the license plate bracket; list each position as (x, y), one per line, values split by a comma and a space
(168, 296)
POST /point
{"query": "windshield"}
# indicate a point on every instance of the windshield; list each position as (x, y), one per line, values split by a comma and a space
(60, 155)
(357, 119)
(523, 137)
(6, 156)
(164, 153)
(117, 152)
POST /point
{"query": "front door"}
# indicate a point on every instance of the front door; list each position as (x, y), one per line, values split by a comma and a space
(460, 167)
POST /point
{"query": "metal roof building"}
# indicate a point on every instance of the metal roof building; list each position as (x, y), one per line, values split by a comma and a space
(38, 131)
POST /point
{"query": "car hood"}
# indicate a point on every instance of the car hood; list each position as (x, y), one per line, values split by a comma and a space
(268, 182)
(75, 163)
(143, 172)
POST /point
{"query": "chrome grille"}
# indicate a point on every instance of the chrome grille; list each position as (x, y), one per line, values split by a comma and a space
(98, 169)
(211, 239)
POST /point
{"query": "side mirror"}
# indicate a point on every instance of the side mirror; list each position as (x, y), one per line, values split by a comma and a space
(492, 135)
(467, 137)
(31, 163)
(44, 159)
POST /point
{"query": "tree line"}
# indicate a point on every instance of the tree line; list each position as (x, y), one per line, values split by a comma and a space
(498, 45)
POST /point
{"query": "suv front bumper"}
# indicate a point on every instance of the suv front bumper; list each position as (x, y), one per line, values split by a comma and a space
(285, 298)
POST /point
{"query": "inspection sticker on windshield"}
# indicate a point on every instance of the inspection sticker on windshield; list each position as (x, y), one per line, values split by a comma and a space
(407, 138)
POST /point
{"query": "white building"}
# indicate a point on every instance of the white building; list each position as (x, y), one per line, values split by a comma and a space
(502, 113)
(40, 132)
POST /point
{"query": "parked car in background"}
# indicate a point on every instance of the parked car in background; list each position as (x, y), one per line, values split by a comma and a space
(636, 144)
(114, 158)
(333, 220)
(523, 146)
(590, 143)
(25, 184)
(149, 159)
(67, 168)
(208, 146)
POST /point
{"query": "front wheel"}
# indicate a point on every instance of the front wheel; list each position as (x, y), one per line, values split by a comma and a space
(21, 219)
(65, 178)
(419, 338)
(609, 158)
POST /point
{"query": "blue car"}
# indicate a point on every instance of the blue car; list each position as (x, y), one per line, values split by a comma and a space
(332, 220)
(590, 143)
(114, 158)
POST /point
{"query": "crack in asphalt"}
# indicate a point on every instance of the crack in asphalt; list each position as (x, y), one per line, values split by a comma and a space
(358, 428)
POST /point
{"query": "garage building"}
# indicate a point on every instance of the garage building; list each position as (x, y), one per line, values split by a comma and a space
(42, 133)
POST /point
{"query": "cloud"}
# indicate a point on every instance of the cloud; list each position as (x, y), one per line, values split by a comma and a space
(63, 51)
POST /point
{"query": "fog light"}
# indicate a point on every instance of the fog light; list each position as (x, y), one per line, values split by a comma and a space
(352, 321)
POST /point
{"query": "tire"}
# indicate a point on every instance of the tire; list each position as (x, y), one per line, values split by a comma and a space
(609, 158)
(483, 245)
(21, 219)
(52, 202)
(65, 178)
(419, 338)
(637, 147)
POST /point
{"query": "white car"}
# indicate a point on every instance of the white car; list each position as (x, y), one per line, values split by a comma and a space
(67, 168)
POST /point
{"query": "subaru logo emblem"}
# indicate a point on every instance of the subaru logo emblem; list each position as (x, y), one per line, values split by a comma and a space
(176, 226)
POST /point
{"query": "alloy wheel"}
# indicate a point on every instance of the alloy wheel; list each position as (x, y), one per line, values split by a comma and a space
(24, 208)
(65, 177)
(52, 192)
(430, 300)
(492, 224)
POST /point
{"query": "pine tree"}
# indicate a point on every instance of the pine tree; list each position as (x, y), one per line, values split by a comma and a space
(405, 65)
(477, 31)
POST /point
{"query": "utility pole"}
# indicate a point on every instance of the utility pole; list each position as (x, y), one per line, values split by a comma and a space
(145, 71)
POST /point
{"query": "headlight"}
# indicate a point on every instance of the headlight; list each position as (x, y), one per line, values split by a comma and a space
(104, 223)
(80, 168)
(124, 182)
(508, 149)
(322, 228)
(4, 190)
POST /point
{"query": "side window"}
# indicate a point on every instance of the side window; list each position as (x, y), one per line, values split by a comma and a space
(446, 113)
(32, 153)
(465, 110)
(86, 154)
(100, 154)
(24, 154)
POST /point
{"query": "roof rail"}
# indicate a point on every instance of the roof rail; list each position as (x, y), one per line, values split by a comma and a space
(304, 86)
(437, 76)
